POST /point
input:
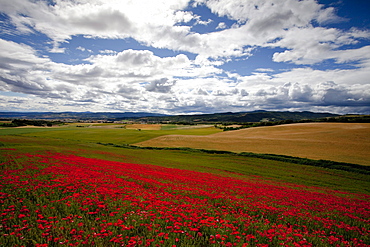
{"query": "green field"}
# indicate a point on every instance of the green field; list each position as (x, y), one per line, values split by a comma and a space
(113, 135)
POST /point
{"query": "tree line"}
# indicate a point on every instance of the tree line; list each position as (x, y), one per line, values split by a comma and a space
(25, 122)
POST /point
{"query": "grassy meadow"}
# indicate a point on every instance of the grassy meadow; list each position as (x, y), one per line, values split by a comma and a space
(62, 187)
(118, 134)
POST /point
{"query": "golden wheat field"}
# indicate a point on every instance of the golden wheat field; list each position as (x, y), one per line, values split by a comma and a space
(343, 142)
(144, 126)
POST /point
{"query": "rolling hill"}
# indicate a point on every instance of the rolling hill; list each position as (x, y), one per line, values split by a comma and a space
(342, 142)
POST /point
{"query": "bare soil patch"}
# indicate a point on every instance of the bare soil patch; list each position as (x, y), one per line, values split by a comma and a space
(343, 142)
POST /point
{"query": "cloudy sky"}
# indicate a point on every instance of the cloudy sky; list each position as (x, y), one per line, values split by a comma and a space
(185, 56)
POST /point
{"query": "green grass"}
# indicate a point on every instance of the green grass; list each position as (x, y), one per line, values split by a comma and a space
(20, 131)
(114, 135)
(169, 127)
(250, 167)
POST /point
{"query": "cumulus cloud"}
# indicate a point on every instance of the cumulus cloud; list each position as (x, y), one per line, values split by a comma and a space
(159, 24)
(13, 54)
(21, 69)
(316, 94)
(221, 25)
(83, 49)
(264, 70)
(128, 75)
(163, 85)
(121, 20)
(300, 93)
(317, 44)
(143, 20)
(199, 91)
(202, 22)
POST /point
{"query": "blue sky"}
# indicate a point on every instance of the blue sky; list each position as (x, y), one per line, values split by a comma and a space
(185, 56)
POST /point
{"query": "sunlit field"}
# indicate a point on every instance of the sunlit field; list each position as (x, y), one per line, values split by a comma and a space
(119, 134)
(341, 142)
(61, 187)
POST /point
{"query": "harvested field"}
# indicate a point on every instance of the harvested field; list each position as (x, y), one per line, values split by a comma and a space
(144, 126)
(164, 126)
(343, 142)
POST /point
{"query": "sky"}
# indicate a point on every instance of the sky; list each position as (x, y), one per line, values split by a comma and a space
(185, 56)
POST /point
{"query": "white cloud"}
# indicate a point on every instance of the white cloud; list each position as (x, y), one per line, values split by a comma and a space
(108, 19)
(183, 16)
(313, 45)
(162, 85)
(135, 76)
(139, 64)
(221, 25)
(264, 70)
(353, 55)
(158, 23)
(80, 48)
(14, 53)
(309, 88)
(107, 52)
(201, 22)
(21, 70)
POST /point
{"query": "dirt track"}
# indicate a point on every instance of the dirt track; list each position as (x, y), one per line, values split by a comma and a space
(331, 141)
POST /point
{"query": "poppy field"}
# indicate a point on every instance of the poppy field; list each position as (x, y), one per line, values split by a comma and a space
(51, 198)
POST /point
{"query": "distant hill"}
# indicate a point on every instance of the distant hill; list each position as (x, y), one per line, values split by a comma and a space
(243, 117)
(109, 116)
(227, 117)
